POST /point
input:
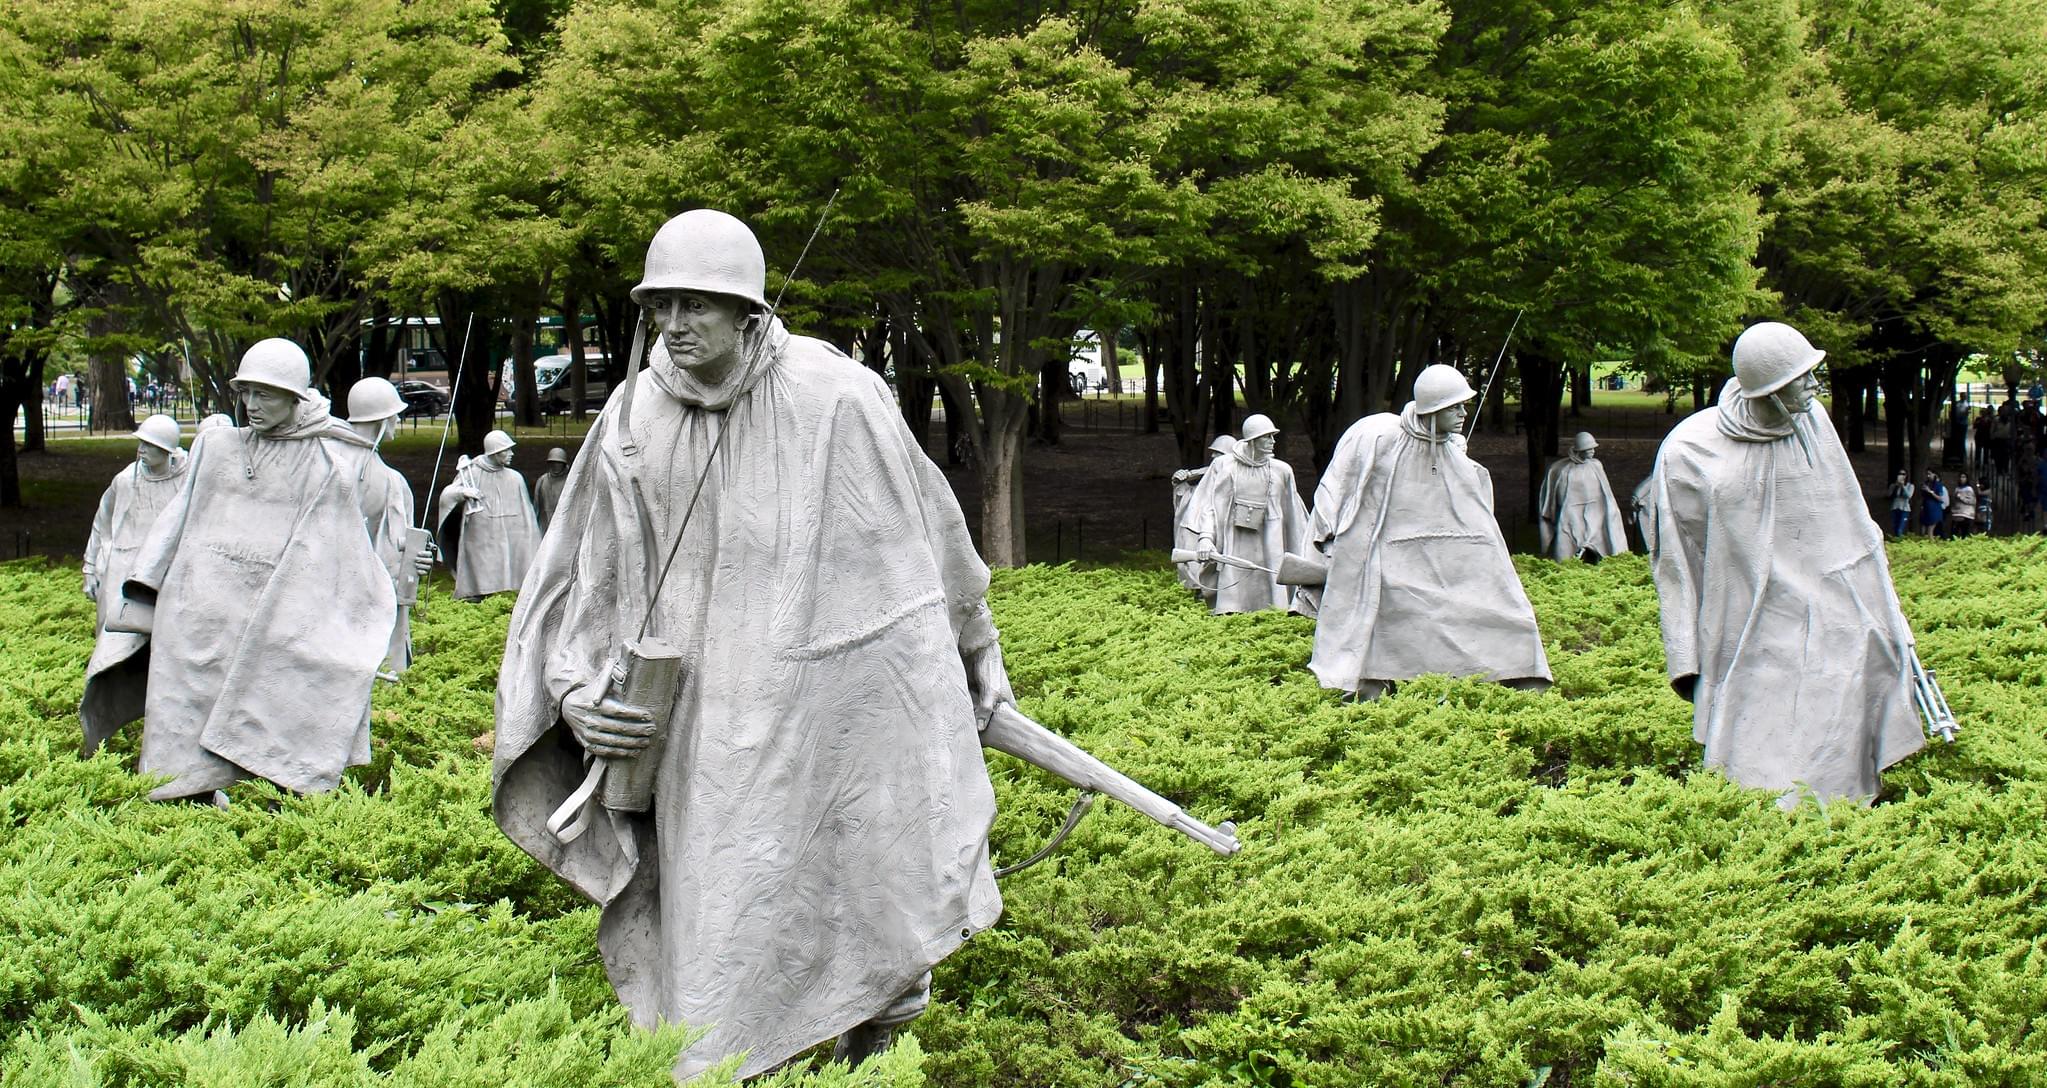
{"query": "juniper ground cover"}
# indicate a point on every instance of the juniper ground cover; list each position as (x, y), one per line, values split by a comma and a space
(1457, 885)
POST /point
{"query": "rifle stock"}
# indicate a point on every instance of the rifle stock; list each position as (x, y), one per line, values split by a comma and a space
(1010, 732)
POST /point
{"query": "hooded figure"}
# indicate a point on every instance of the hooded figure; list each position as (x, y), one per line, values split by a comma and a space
(497, 530)
(1579, 515)
(118, 672)
(373, 409)
(1780, 622)
(817, 834)
(1184, 483)
(547, 490)
(272, 611)
(1248, 509)
(1419, 576)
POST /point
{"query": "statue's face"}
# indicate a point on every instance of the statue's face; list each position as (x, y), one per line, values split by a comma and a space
(557, 468)
(1798, 394)
(268, 408)
(1451, 420)
(503, 458)
(702, 332)
(152, 456)
(1261, 448)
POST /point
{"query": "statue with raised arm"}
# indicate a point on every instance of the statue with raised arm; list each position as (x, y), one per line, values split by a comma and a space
(1419, 579)
(488, 527)
(117, 674)
(267, 609)
(1780, 622)
(745, 687)
(1579, 517)
(1244, 517)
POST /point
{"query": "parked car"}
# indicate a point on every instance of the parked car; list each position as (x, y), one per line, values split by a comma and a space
(554, 384)
(422, 399)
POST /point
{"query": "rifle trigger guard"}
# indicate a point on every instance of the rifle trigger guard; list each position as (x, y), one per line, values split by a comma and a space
(1080, 808)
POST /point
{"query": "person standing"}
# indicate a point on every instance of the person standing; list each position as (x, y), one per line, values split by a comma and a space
(1932, 504)
(1961, 515)
(1901, 504)
(1780, 623)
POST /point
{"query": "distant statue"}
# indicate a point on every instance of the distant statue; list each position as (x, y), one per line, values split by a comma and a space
(1780, 622)
(1184, 482)
(547, 490)
(373, 409)
(783, 808)
(1579, 515)
(267, 609)
(489, 531)
(1419, 580)
(1245, 516)
(118, 673)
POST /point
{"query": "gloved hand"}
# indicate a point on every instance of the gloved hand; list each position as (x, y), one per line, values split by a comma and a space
(92, 588)
(987, 679)
(608, 728)
(1204, 552)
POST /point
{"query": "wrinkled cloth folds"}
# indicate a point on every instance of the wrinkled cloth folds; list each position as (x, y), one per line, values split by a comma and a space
(1252, 511)
(117, 674)
(1578, 511)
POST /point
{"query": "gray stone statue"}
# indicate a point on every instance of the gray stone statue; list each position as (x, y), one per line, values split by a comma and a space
(1579, 517)
(117, 675)
(1184, 482)
(373, 409)
(267, 609)
(786, 731)
(1419, 579)
(212, 421)
(488, 527)
(1245, 516)
(1780, 622)
(547, 490)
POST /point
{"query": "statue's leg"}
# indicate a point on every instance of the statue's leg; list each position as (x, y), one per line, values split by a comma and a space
(866, 1040)
(1369, 690)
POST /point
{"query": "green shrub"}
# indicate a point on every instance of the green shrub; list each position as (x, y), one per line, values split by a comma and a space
(1460, 884)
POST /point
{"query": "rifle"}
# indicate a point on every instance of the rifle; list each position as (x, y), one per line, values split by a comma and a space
(1010, 732)
(1296, 569)
(1189, 555)
(1932, 702)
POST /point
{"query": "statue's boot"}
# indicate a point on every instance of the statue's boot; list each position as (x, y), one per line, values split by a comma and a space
(866, 1040)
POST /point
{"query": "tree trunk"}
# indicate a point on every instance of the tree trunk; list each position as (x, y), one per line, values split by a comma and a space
(572, 341)
(1112, 366)
(1151, 388)
(525, 395)
(32, 407)
(469, 376)
(1542, 380)
(1055, 384)
(1581, 390)
(1002, 512)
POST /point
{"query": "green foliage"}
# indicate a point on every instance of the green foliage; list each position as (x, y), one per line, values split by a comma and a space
(1458, 884)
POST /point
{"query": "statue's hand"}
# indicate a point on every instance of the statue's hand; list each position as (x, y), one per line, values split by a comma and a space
(609, 728)
(92, 588)
(423, 563)
(1204, 552)
(987, 679)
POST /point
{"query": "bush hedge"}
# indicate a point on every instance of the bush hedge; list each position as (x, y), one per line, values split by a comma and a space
(1459, 884)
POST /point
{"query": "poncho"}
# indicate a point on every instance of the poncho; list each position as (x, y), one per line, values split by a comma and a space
(117, 674)
(272, 611)
(1251, 511)
(498, 532)
(1578, 511)
(819, 837)
(387, 493)
(1185, 482)
(547, 492)
(1419, 576)
(1777, 597)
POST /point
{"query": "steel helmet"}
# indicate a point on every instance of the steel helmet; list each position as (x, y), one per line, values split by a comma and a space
(1223, 444)
(372, 399)
(1256, 427)
(706, 251)
(1584, 442)
(1770, 355)
(160, 431)
(496, 442)
(215, 420)
(277, 363)
(558, 455)
(1438, 387)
